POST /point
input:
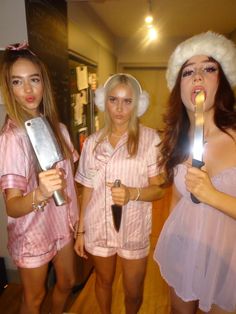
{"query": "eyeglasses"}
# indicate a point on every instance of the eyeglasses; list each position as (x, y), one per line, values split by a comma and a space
(208, 69)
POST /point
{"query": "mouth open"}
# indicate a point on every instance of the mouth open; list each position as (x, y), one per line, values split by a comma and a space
(195, 92)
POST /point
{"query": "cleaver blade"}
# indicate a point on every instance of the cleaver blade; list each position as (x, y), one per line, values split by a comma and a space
(46, 148)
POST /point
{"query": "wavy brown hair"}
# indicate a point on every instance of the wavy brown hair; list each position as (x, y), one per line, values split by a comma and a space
(47, 107)
(175, 144)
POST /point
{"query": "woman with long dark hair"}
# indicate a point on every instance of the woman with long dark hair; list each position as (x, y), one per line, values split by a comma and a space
(196, 250)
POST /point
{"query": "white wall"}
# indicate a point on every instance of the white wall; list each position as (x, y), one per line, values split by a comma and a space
(3, 217)
(12, 22)
(130, 51)
(89, 37)
(11, 273)
(13, 29)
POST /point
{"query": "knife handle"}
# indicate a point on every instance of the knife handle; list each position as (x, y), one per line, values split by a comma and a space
(197, 164)
(58, 198)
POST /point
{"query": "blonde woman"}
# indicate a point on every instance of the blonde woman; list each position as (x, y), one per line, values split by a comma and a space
(127, 151)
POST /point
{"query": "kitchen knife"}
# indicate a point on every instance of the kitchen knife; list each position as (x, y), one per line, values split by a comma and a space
(198, 141)
(45, 147)
(116, 210)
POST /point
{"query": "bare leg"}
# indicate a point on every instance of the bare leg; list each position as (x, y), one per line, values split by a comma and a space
(105, 268)
(64, 264)
(216, 310)
(33, 281)
(178, 306)
(134, 272)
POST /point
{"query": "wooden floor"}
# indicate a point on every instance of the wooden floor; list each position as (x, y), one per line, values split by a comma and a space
(155, 294)
(156, 299)
(11, 297)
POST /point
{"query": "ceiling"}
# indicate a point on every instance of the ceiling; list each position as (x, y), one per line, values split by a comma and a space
(173, 18)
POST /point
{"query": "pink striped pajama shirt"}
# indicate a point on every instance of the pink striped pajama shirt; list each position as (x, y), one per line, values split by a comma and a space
(35, 238)
(107, 164)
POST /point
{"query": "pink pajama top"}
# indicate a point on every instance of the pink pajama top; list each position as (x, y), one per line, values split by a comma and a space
(34, 234)
(196, 250)
(106, 164)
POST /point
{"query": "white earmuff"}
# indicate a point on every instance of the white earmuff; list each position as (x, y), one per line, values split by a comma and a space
(143, 101)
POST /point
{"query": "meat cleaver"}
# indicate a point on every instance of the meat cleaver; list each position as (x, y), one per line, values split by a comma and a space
(198, 140)
(45, 147)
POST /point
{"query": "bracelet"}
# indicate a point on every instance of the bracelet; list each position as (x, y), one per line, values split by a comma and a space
(39, 206)
(80, 233)
(138, 191)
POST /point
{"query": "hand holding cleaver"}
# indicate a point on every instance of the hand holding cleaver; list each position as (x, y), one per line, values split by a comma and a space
(45, 147)
(198, 141)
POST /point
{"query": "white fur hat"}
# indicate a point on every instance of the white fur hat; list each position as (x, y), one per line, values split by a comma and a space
(143, 101)
(209, 44)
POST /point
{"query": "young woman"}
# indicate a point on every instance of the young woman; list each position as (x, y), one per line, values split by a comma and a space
(127, 151)
(38, 230)
(196, 250)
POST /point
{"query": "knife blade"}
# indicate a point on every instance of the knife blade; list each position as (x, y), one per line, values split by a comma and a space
(198, 141)
(45, 147)
(116, 210)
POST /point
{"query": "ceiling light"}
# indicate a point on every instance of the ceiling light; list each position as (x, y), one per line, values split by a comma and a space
(151, 30)
(152, 33)
(149, 19)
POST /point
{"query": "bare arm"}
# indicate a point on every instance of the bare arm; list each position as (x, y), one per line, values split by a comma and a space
(86, 196)
(18, 205)
(175, 197)
(79, 243)
(224, 202)
(199, 183)
(124, 194)
(150, 193)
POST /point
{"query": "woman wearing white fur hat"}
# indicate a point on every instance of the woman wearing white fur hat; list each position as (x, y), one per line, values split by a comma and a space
(127, 151)
(196, 250)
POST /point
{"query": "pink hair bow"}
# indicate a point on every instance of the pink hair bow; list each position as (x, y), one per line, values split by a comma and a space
(19, 47)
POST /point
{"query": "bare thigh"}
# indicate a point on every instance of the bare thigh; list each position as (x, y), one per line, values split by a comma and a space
(178, 306)
(134, 272)
(216, 310)
(33, 280)
(105, 268)
(64, 265)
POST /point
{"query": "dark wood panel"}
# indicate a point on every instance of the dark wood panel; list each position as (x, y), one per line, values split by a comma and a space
(47, 34)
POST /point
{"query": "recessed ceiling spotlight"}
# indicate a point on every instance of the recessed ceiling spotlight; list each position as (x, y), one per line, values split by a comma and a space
(152, 33)
(149, 19)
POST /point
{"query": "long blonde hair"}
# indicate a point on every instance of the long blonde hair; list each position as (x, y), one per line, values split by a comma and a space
(133, 126)
(47, 107)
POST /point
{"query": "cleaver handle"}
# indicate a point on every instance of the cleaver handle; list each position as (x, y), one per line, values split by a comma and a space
(58, 198)
(197, 164)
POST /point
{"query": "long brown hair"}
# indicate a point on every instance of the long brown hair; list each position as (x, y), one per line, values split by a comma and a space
(175, 144)
(47, 106)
